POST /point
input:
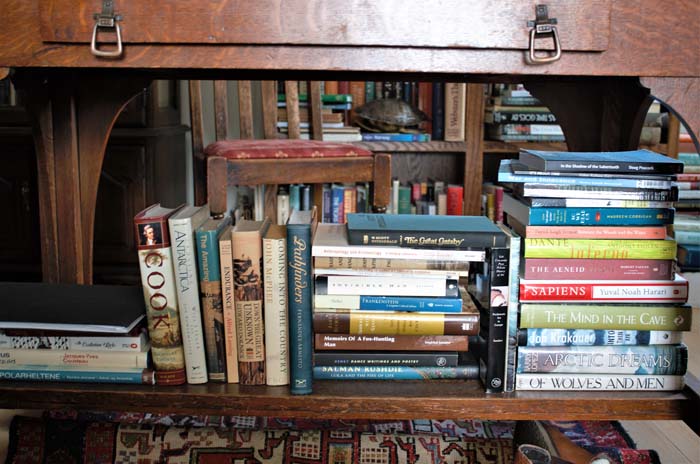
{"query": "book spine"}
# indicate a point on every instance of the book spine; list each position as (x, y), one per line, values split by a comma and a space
(363, 358)
(275, 309)
(76, 343)
(342, 262)
(620, 317)
(597, 232)
(632, 360)
(249, 297)
(455, 101)
(514, 245)
(187, 283)
(402, 285)
(595, 203)
(394, 323)
(520, 117)
(393, 373)
(394, 137)
(228, 301)
(16, 357)
(593, 337)
(656, 291)
(599, 248)
(427, 239)
(505, 174)
(160, 294)
(388, 303)
(524, 129)
(599, 216)
(438, 110)
(325, 341)
(600, 269)
(528, 137)
(58, 374)
(581, 193)
(599, 382)
(398, 253)
(300, 287)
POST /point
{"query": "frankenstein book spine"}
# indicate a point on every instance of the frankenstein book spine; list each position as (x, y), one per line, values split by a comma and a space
(599, 382)
(389, 303)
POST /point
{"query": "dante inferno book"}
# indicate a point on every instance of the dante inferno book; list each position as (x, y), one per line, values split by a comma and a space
(160, 294)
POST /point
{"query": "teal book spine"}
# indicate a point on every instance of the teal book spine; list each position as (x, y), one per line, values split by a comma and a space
(300, 282)
(395, 372)
(599, 216)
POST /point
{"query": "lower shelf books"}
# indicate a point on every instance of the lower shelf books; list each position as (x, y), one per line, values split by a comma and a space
(468, 368)
(598, 382)
(389, 358)
(80, 374)
(391, 342)
(13, 358)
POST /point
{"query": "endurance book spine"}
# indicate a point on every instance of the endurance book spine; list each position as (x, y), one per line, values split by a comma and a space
(637, 360)
(394, 323)
(599, 337)
(394, 372)
(599, 248)
(85, 375)
(274, 245)
(300, 284)
(607, 291)
(378, 358)
(606, 317)
(13, 358)
(182, 232)
(599, 382)
(391, 342)
(129, 343)
(228, 301)
(600, 269)
(389, 303)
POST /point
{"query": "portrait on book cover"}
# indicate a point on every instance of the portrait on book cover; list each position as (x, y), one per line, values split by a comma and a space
(150, 234)
(499, 296)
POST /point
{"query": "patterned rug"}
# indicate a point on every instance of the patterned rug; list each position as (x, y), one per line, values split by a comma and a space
(68, 437)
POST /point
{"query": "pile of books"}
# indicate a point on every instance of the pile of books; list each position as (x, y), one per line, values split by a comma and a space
(391, 300)
(601, 306)
(73, 333)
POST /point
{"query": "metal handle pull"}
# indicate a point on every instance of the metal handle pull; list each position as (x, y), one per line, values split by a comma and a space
(107, 20)
(543, 25)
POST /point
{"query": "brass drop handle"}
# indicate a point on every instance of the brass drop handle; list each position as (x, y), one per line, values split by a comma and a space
(543, 25)
(107, 20)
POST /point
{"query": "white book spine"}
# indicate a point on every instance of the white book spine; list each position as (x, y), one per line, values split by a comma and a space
(187, 284)
(136, 343)
(387, 285)
(282, 208)
(275, 310)
(599, 382)
(229, 302)
(10, 359)
(360, 251)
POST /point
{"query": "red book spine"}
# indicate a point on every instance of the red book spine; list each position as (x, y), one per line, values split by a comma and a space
(455, 200)
(611, 291)
(600, 269)
(604, 232)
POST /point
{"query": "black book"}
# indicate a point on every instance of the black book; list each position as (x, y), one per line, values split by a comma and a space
(636, 161)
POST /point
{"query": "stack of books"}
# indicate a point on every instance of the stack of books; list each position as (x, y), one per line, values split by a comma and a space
(389, 300)
(73, 333)
(601, 305)
(514, 115)
(334, 108)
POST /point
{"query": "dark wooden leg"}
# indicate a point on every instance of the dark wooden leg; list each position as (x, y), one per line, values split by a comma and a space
(217, 181)
(603, 114)
(72, 118)
(682, 96)
(382, 182)
(474, 156)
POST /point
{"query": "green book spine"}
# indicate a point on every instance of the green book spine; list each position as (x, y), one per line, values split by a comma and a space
(618, 317)
(599, 248)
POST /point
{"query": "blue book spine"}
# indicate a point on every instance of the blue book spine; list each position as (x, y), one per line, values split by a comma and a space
(394, 137)
(600, 216)
(295, 197)
(53, 374)
(337, 206)
(300, 303)
(394, 372)
(432, 304)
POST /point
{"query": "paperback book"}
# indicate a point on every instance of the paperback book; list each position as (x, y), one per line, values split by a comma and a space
(325, 341)
(600, 249)
(599, 337)
(386, 358)
(599, 382)
(636, 161)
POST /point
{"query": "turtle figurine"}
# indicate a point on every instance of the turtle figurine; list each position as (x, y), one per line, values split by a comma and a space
(389, 115)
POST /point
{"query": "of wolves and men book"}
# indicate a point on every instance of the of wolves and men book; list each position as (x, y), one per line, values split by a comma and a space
(601, 307)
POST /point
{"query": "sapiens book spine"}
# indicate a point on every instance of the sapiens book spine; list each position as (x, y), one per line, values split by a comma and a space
(389, 303)
(160, 294)
(248, 277)
(388, 264)
(394, 323)
(402, 285)
(135, 343)
(324, 341)
(597, 232)
(274, 247)
(182, 231)
(607, 291)
(599, 248)
(596, 337)
(611, 316)
(10, 358)
(300, 288)
(632, 360)
(228, 302)
(599, 382)
(391, 358)
(394, 372)
(211, 296)
(84, 375)
(600, 269)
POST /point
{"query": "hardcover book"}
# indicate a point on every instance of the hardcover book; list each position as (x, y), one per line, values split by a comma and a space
(12, 358)
(211, 296)
(183, 225)
(134, 342)
(600, 249)
(400, 285)
(591, 203)
(407, 230)
(514, 245)
(388, 358)
(595, 232)
(599, 382)
(300, 235)
(246, 239)
(325, 341)
(389, 303)
(596, 337)
(160, 293)
(636, 161)
(39, 373)
(599, 269)
(228, 305)
(577, 195)
(470, 371)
